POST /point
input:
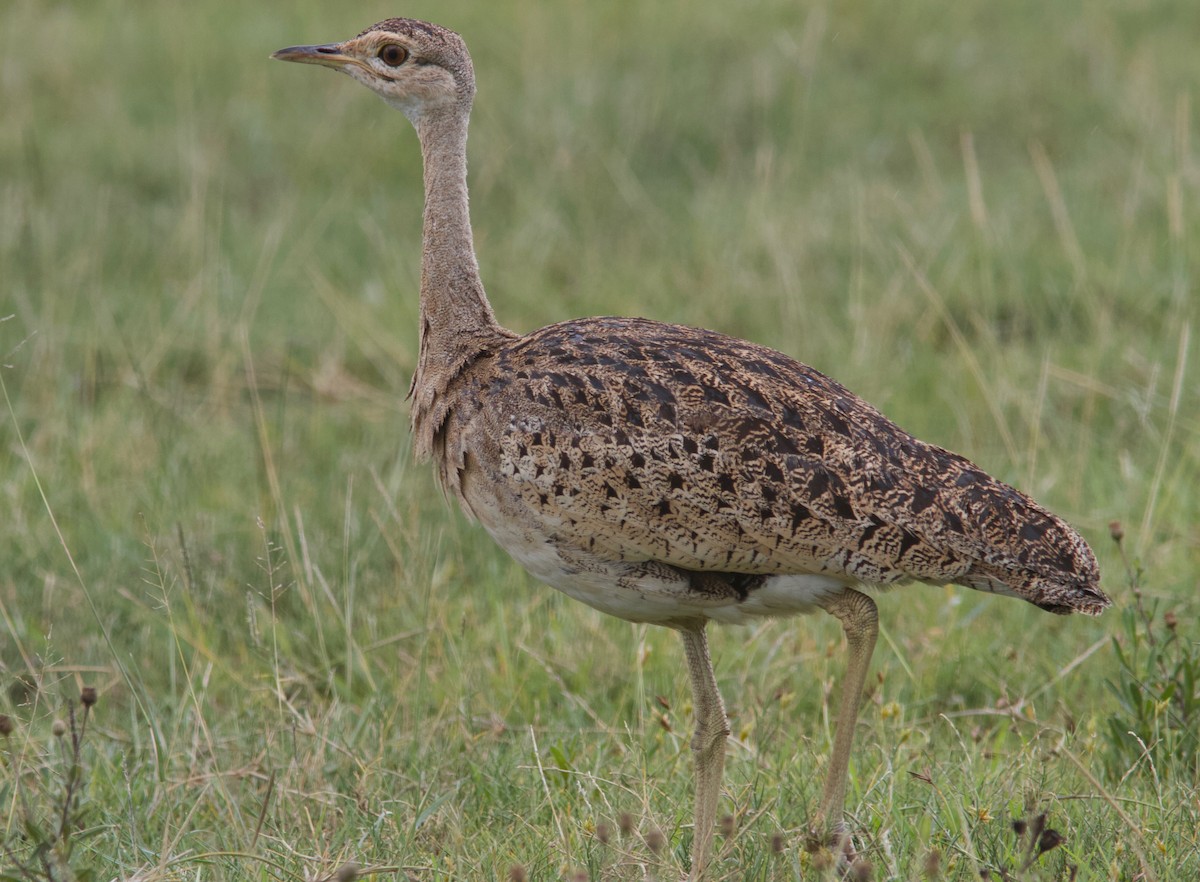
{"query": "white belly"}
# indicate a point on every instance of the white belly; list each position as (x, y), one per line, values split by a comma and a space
(648, 591)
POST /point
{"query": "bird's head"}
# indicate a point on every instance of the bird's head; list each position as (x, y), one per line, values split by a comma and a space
(414, 66)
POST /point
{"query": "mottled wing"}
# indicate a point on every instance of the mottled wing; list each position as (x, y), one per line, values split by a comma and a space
(644, 441)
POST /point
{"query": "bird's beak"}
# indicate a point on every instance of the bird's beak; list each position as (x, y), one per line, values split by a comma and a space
(327, 55)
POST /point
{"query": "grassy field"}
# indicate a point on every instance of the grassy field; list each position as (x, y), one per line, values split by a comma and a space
(981, 217)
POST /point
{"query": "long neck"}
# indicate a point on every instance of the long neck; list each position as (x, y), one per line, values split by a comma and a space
(457, 323)
(455, 313)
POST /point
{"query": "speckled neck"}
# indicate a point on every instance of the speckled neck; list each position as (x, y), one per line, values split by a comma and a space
(457, 322)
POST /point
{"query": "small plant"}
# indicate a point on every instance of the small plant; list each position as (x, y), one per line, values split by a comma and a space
(48, 798)
(1157, 689)
(1034, 839)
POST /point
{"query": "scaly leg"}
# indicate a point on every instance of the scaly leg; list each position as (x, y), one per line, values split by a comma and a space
(860, 621)
(708, 744)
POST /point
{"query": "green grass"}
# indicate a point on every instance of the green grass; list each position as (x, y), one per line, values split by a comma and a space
(980, 216)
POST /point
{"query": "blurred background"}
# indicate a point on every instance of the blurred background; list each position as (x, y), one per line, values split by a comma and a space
(980, 217)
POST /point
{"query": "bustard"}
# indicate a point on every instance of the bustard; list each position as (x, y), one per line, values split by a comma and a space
(677, 476)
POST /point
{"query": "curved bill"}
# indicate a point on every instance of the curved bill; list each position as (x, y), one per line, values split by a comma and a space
(326, 55)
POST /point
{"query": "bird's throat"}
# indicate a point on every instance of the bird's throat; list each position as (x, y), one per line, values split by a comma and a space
(453, 301)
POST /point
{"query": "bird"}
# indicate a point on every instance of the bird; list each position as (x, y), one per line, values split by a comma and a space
(677, 476)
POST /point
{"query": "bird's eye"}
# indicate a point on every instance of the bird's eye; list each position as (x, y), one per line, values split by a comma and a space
(393, 55)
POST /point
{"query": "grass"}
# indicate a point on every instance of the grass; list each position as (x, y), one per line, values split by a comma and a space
(980, 217)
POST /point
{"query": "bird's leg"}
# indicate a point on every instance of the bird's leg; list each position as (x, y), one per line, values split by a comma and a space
(860, 621)
(708, 744)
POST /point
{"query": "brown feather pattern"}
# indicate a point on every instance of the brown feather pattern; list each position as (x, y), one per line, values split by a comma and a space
(677, 476)
(637, 441)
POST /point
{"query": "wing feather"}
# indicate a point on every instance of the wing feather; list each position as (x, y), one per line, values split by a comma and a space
(647, 441)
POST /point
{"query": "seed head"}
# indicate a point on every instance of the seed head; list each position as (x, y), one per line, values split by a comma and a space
(822, 860)
(777, 843)
(1116, 530)
(6, 725)
(58, 728)
(1170, 620)
(933, 864)
(517, 874)
(655, 840)
(347, 872)
(1049, 840)
(87, 695)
